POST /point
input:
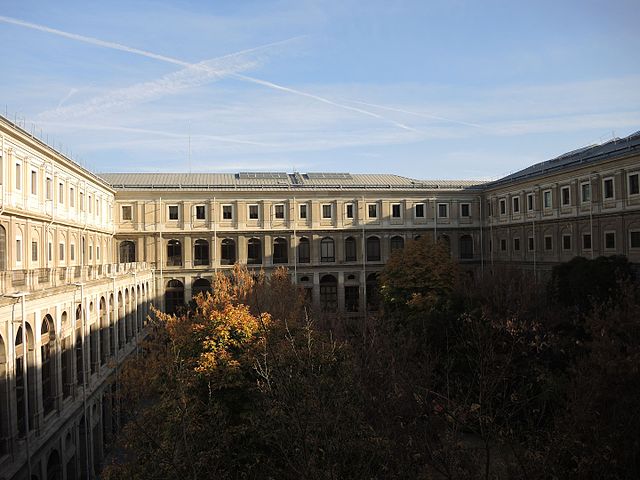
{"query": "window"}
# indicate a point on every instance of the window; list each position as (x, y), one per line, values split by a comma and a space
(127, 213)
(328, 293)
(228, 256)
(61, 193)
(548, 242)
(503, 206)
(200, 212)
(326, 211)
(466, 247)
(327, 250)
(302, 209)
(49, 189)
(443, 210)
(253, 212)
(566, 196)
(97, 252)
(566, 241)
(396, 243)
(610, 240)
(18, 176)
(34, 182)
(503, 244)
(173, 212)
(72, 252)
(72, 197)
(81, 201)
(465, 210)
(97, 207)
(34, 251)
(254, 251)
(634, 184)
(585, 192)
(351, 298)
(90, 252)
(227, 212)
(349, 210)
(200, 252)
(174, 253)
(372, 210)
(304, 250)
(395, 210)
(350, 251)
(635, 239)
(608, 188)
(90, 204)
(531, 244)
(18, 250)
(586, 241)
(419, 210)
(61, 252)
(50, 251)
(373, 249)
(516, 244)
(529, 202)
(280, 251)
(515, 204)
(546, 199)
(278, 211)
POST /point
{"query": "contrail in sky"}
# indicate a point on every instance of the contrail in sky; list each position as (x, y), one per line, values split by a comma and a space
(182, 63)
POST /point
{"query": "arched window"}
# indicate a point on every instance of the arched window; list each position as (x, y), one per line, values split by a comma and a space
(54, 466)
(3, 248)
(4, 406)
(329, 293)
(446, 241)
(174, 253)
(304, 250)
(373, 249)
(373, 292)
(350, 249)
(66, 363)
(201, 252)
(466, 247)
(280, 251)
(47, 337)
(79, 347)
(25, 387)
(228, 256)
(104, 332)
(327, 250)
(174, 296)
(396, 243)
(120, 321)
(201, 285)
(254, 251)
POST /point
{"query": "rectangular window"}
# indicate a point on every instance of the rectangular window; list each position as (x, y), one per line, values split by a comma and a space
(34, 251)
(515, 204)
(548, 242)
(529, 202)
(326, 211)
(278, 211)
(90, 204)
(635, 239)
(200, 212)
(98, 212)
(516, 244)
(81, 201)
(227, 212)
(49, 188)
(90, 252)
(97, 252)
(173, 212)
(586, 241)
(372, 210)
(127, 212)
(61, 193)
(465, 210)
(61, 257)
(566, 242)
(303, 211)
(608, 188)
(443, 210)
(72, 197)
(546, 196)
(531, 244)
(585, 192)
(503, 244)
(18, 176)
(18, 250)
(34, 182)
(419, 210)
(72, 252)
(634, 184)
(349, 211)
(566, 196)
(610, 240)
(253, 212)
(50, 251)
(503, 206)
(395, 210)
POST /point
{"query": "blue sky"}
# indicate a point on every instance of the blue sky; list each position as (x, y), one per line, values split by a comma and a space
(426, 89)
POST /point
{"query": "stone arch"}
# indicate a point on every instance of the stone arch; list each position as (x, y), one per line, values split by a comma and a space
(327, 250)
(200, 252)
(54, 466)
(254, 251)
(127, 251)
(304, 250)
(201, 285)
(228, 251)
(25, 393)
(47, 363)
(174, 296)
(280, 250)
(373, 249)
(350, 249)
(329, 293)
(396, 243)
(174, 253)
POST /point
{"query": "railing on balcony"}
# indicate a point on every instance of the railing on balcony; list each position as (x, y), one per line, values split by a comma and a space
(41, 278)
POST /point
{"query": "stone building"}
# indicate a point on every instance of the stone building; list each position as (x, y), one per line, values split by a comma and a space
(82, 258)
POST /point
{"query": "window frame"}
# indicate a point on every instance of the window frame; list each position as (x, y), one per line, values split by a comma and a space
(196, 208)
(606, 234)
(34, 182)
(123, 217)
(415, 210)
(322, 211)
(301, 207)
(629, 184)
(566, 247)
(531, 204)
(515, 204)
(372, 207)
(446, 208)
(276, 207)
(547, 195)
(548, 243)
(608, 181)
(169, 213)
(399, 207)
(502, 206)
(223, 212)
(584, 237)
(462, 208)
(583, 190)
(632, 234)
(565, 189)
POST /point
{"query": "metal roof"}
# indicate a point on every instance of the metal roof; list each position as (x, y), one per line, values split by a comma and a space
(267, 180)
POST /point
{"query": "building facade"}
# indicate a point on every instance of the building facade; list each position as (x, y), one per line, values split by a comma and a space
(82, 258)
